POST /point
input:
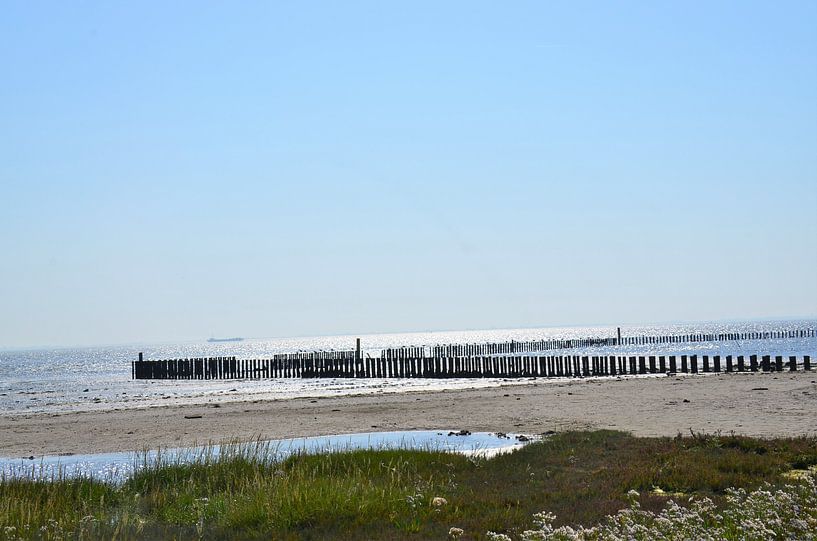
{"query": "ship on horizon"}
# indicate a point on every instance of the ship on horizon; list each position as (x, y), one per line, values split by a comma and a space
(235, 339)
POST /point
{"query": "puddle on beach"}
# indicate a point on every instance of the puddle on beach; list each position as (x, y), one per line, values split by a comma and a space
(119, 466)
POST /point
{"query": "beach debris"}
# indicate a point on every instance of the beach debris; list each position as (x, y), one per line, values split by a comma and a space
(192, 416)
(85, 390)
(462, 432)
(31, 457)
(523, 438)
(438, 501)
(686, 401)
(658, 491)
(502, 435)
(548, 432)
(455, 533)
(760, 388)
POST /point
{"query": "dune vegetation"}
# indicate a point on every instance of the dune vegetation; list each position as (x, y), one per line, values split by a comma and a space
(551, 487)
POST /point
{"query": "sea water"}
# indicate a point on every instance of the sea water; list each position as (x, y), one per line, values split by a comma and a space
(99, 378)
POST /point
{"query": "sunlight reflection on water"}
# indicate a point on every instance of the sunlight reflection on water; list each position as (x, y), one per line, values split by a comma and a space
(84, 379)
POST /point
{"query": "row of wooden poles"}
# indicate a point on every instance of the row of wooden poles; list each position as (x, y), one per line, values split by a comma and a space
(506, 348)
(344, 365)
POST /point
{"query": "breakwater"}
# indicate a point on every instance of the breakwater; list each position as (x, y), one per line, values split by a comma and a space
(490, 360)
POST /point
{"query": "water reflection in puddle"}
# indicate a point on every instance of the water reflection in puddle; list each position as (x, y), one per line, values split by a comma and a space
(118, 466)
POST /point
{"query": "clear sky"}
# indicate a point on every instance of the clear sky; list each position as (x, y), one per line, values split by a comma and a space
(176, 170)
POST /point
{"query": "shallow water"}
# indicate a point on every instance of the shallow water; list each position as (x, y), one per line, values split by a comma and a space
(98, 378)
(118, 466)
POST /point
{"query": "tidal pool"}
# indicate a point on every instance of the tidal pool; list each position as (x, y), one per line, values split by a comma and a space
(117, 467)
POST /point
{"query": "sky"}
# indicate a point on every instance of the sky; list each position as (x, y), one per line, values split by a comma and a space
(178, 170)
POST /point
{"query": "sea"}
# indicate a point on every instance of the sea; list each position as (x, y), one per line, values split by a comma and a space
(58, 380)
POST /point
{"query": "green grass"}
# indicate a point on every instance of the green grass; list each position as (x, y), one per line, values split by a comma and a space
(388, 494)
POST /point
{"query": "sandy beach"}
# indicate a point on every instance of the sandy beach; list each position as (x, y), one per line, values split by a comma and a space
(774, 404)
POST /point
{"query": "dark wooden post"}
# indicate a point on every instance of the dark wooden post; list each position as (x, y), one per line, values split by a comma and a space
(806, 362)
(778, 363)
(792, 363)
(716, 360)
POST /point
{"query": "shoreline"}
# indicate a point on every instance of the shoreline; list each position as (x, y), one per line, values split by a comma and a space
(753, 404)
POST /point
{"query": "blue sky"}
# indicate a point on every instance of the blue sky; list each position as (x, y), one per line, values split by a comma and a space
(175, 170)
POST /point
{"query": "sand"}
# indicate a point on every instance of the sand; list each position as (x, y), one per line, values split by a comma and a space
(782, 404)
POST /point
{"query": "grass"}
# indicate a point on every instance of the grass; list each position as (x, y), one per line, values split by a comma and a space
(246, 493)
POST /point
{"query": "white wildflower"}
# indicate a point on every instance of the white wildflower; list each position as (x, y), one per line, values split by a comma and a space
(787, 513)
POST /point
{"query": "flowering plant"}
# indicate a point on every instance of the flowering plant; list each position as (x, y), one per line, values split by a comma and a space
(786, 513)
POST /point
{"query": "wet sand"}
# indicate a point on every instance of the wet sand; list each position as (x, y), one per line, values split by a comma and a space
(782, 404)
